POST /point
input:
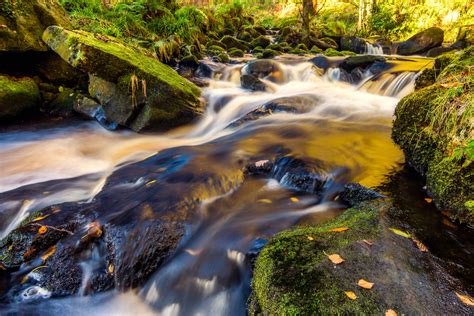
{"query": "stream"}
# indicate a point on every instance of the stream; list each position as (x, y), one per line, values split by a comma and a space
(120, 178)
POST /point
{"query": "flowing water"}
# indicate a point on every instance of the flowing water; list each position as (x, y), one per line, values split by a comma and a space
(346, 128)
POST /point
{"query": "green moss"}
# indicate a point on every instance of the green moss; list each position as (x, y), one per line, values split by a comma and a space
(302, 47)
(293, 276)
(270, 53)
(223, 58)
(17, 95)
(232, 42)
(261, 41)
(234, 52)
(434, 127)
(316, 50)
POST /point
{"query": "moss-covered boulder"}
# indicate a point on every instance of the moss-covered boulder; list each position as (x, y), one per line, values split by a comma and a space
(22, 23)
(294, 276)
(261, 41)
(152, 95)
(270, 53)
(17, 95)
(435, 128)
(421, 42)
(232, 42)
(234, 52)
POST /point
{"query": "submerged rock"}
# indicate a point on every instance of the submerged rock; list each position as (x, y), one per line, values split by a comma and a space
(252, 83)
(421, 42)
(17, 96)
(293, 274)
(264, 68)
(152, 96)
(23, 23)
(434, 127)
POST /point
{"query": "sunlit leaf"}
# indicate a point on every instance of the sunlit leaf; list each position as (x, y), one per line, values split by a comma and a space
(339, 229)
(390, 312)
(48, 253)
(94, 230)
(110, 268)
(351, 295)
(466, 299)
(420, 245)
(335, 258)
(150, 183)
(365, 284)
(45, 193)
(400, 232)
(193, 252)
(24, 279)
(42, 230)
(37, 219)
(310, 238)
(428, 200)
(294, 199)
(265, 201)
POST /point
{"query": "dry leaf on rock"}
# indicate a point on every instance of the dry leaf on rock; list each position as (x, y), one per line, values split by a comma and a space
(428, 200)
(37, 219)
(365, 284)
(310, 238)
(339, 229)
(265, 201)
(368, 242)
(390, 312)
(420, 245)
(335, 258)
(466, 299)
(42, 230)
(294, 199)
(48, 253)
(351, 295)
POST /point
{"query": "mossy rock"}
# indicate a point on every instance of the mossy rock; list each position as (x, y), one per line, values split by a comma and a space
(297, 51)
(261, 41)
(315, 50)
(223, 58)
(246, 37)
(161, 99)
(301, 46)
(189, 61)
(17, 96)
(332, 52)
(270, 53)
(260, 30)
(294, 276)
(212, 43)
(23, 23)
(257, 50)
(232, 42)
(434, 126)
(234, 52)
(259, 55)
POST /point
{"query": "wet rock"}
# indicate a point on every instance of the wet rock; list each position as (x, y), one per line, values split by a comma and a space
(425, 79)
(189, 61)
(321, 62)
(436, 51)
(264, 68)
(25, 22)
(54, 69)
(252, 83)
(63, 104)
(354, 193)
(269, 53)
(293, 273)
(362, 61)
(261, 167)
(158, 98)
(234, 52)
(379, 67)
(17, 96)
(353, 44)
(208, 69)
(421, 42)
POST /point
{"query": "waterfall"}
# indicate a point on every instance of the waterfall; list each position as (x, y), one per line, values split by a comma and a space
(373, 49)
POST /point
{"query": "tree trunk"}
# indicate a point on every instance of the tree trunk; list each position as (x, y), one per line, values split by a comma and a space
(308, 11)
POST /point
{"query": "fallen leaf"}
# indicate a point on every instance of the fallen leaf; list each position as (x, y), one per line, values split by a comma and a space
(294, 199)
(448, 223)
(420, 245)
(94, 230)
(42, 230)
(56, 209)
(368, 242)
(310, 238)
(24, 279)
(45, 192)
(29, 252)
(335, 258)
(2, 267)
(193, 252)
(110, 268)
(365, 284)
(37, 219)
(48, 253)
(390, 312)
(261, 163)
(266, 201)
(351, 295)
(428, 200)
(400, 232)
(466, 299)
(37, 268)
(339, 229)
(150, 183)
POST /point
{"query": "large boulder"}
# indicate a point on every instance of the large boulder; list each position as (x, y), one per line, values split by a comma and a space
(421, 42)
(17, 95)
(135, 90)
(22, 23)
(434, 127)
(362, 61)
(353, 44)
(264, 68)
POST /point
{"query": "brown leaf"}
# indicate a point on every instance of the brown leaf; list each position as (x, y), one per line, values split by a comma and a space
(339, 229)
(466, 299)
(94, 230)
(365, 284)
(48, 253)
(368, 242)
(351, 295)
(42, 230)
(2, 267)
(420, 245)
(335, 258)
(390, 312)
(428, 200)
(448, 223)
